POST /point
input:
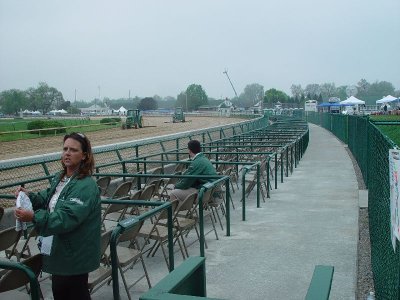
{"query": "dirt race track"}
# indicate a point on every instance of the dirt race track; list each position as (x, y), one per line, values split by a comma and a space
(157, 126)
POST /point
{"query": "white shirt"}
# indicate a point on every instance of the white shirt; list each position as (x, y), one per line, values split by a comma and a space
(53, 201)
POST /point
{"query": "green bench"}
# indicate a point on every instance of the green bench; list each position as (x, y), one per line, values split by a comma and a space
(187, 281)
(321, 282)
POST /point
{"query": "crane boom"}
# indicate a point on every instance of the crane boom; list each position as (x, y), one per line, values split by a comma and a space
(226, 73)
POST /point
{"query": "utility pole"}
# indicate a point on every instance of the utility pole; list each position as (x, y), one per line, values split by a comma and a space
(186, 102)
(226, 73)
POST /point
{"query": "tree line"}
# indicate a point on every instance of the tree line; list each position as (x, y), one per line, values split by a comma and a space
(45, 98)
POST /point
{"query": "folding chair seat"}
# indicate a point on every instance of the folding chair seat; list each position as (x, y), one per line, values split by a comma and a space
(157, 187)
(113, 214)
(207, 213)
(207, 210)
(221, 168)
(103, 183)
(158, 232)
(146, 194)
(27, 247)
(122, 190)
(252, 183)
(185, 220)
(120, 193)
(129, 255)
(14, 279)
(222, 192)
(149, 180)
(180, 167)
(217, 202)
(8, 243)
(102, 274)
(135, 195)
(169, 185)
(135, 181)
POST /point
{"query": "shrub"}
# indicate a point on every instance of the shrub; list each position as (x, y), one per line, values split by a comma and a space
(41, 124)
(113, 121)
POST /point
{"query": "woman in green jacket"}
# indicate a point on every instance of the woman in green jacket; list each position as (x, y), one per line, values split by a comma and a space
(68, 217)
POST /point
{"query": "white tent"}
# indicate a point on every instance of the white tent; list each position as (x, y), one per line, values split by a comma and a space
(121, 111)
(352, 100)
(30, 112)
(57, 112)
(386, 99)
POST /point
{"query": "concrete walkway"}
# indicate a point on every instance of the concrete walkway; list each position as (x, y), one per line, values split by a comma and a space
(311, 219)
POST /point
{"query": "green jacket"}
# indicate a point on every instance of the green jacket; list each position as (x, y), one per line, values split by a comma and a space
(200, 165)
(75, 224)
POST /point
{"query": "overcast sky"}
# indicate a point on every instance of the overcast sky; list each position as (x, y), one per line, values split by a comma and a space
(160, 47)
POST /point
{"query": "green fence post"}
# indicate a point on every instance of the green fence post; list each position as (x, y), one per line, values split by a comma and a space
(170, 240)
(201, 194)
(258, 186)
(282, 166)
(227, 205)
(244, 195)
(276, 170)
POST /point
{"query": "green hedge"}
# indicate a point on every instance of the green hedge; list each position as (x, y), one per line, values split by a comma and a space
(41, 124)
(112, 121)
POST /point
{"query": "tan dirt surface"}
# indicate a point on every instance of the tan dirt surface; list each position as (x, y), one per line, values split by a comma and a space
(153, 126)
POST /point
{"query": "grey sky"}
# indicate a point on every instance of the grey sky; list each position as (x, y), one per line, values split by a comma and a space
(160, 47)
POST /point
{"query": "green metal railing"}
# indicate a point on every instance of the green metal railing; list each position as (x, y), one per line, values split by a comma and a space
(30, 170)
(131, 222)
(34, 284)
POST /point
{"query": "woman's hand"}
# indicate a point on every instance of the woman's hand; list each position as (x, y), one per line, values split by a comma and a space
(23, 215)
(19, 189)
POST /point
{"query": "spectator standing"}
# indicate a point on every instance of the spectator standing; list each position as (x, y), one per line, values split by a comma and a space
(68, 217)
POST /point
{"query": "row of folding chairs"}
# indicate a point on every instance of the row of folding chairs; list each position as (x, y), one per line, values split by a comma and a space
(145, 238)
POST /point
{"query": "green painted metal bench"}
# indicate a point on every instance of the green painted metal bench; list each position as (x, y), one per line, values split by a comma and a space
(188, 281)
(321, 282)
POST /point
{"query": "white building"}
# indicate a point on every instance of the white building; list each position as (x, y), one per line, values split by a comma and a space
(225, 108)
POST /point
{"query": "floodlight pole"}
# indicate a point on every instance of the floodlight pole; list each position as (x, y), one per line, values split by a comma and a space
(186, 102)
(226, 73)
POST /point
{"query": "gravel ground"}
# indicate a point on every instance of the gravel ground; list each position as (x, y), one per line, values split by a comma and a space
(365, 282)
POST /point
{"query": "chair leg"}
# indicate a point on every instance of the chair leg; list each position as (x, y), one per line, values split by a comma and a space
(183, 243)
(213, 225)
(219, 219)
(165, 255)
(124, 281)
(145, 271)
(233, 205)
(182, 248)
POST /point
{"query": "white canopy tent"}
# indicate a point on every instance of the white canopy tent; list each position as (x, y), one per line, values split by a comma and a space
(386, 99)
(352, 100)
(121, 111)
(57, 112)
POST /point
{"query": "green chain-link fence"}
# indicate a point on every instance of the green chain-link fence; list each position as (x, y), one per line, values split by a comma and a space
(371, 147)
